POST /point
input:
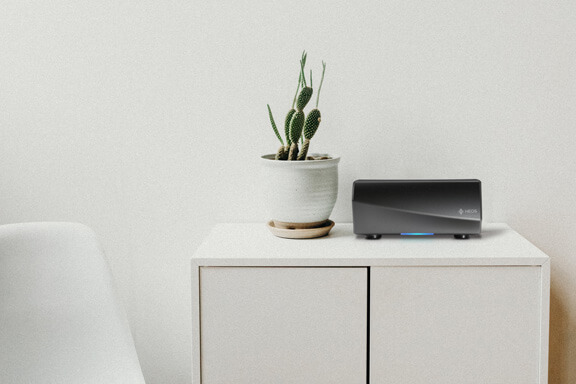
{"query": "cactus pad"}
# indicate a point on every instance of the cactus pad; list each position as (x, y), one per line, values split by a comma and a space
(287, 125)
(312, 122)
(303, 98)
(296, 126)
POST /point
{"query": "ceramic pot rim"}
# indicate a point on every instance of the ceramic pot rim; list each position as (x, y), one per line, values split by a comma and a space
(268, 160)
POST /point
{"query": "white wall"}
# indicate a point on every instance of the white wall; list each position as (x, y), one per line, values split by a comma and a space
(145, 121)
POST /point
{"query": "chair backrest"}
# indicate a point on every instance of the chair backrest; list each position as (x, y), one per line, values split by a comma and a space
(60, 319)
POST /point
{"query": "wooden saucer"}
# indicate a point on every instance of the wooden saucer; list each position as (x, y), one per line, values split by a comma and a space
(301, 233)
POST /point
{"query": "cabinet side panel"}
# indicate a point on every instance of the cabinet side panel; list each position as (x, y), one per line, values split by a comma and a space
(545, 322)
(195, 294)
(443, 325)
(283, 325)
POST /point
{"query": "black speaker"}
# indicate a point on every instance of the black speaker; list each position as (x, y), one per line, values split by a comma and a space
(417, 207)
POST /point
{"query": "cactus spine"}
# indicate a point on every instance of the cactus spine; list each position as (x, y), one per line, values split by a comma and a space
(298, 126)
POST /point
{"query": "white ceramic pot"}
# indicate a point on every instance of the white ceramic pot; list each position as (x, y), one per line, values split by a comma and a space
(300, 192)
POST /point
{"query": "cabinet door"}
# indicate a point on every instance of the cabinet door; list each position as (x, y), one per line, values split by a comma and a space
(283, 325)
(442, 325)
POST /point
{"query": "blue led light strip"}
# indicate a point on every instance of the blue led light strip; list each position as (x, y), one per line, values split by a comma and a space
(416, 234)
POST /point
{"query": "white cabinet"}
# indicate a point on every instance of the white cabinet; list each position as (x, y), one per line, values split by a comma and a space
(455, 325)
(343, 309)
(261, 324)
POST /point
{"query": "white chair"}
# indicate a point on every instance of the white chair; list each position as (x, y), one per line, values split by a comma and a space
(60, 320)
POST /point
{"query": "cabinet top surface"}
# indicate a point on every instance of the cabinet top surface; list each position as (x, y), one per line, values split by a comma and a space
(254, 245)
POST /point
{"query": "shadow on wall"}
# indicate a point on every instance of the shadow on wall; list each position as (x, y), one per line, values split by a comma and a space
(562, 337)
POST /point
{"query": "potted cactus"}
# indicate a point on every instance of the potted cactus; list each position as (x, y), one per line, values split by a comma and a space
(302, 187)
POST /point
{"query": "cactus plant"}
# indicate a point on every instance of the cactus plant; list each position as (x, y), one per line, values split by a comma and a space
(298, 126)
